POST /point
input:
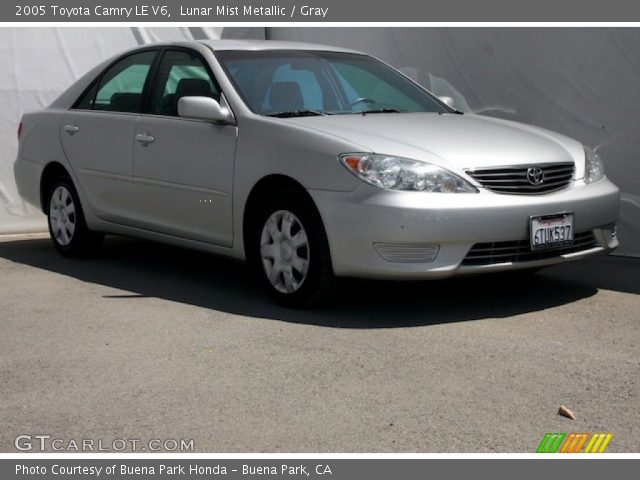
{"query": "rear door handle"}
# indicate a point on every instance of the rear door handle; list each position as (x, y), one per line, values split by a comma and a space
(71, 129)
(144, 138)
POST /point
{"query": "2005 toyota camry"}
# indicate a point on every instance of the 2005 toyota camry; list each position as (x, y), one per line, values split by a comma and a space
(311, 163)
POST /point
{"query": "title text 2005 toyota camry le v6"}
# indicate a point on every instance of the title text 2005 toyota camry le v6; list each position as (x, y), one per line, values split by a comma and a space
(311, 163)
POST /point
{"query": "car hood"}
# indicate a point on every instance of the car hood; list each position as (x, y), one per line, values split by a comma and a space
(454, 141)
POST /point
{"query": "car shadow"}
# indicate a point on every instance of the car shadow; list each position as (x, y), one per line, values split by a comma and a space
(147, 269)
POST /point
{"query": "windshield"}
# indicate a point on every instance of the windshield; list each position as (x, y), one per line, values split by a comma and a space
(286, 83)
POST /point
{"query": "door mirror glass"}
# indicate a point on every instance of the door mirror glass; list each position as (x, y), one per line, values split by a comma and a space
(203, 108)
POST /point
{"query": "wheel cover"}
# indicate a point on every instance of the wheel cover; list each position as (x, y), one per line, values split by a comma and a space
(284, 248)
(62, 216)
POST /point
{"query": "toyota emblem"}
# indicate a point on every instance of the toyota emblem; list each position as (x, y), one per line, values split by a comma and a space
(535, 175)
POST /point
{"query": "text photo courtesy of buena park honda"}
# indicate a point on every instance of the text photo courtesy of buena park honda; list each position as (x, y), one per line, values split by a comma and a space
(286, 239)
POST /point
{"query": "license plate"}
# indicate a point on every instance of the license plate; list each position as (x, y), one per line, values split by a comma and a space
(551, 231)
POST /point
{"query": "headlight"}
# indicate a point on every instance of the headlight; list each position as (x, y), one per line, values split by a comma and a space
(394, 173)
(594, 167)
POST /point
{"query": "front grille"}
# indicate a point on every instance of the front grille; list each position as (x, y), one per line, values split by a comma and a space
(515, 180)
(520, 251)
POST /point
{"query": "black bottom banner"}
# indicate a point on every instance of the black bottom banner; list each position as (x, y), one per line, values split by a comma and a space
(318, 469)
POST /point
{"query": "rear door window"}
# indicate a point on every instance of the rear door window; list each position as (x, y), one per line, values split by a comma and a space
(120, 88)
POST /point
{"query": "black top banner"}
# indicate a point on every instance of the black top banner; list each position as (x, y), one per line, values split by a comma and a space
(320, 11)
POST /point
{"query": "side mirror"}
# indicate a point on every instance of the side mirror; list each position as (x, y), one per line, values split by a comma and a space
(203, 108)
(447, 101)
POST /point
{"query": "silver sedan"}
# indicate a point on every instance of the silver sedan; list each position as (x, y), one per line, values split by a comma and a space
(311, 163)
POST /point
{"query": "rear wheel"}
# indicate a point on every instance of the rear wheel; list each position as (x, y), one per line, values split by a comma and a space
(67, 226)
(291, 252)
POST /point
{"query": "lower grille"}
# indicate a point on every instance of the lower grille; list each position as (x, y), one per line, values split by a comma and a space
(525, 179)
(407, 253)
(520, 251)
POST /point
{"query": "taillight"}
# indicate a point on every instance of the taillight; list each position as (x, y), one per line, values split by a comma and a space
(19, 129)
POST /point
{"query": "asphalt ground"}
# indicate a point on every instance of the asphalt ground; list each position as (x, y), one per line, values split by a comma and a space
(146, 341)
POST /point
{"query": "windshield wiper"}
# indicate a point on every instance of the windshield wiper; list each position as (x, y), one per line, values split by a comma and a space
(381, 110)
(296, 113)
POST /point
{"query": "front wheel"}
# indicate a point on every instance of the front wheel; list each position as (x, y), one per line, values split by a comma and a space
(291, 252)
(67, 225)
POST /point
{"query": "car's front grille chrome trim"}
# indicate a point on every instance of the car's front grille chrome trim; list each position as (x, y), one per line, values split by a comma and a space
(520, 251)
(514, 179)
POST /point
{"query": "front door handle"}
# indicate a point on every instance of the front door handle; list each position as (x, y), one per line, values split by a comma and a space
(144, 138)
(71, 129)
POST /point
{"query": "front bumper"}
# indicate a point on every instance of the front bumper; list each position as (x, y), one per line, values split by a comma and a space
(358, 222)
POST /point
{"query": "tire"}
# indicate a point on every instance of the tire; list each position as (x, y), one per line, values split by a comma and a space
(290, 252)
(67, 226)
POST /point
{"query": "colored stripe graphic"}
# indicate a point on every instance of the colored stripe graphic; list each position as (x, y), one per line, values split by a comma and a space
(574, 442)
(598, 443)
(550, 443)
(581, 442)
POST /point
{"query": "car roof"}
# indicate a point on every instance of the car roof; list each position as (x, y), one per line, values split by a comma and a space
(219, 45)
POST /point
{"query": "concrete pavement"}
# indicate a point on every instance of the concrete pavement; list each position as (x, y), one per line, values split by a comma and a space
(150, 341)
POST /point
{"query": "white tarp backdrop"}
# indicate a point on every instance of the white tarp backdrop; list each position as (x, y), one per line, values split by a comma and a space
(578, 81)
